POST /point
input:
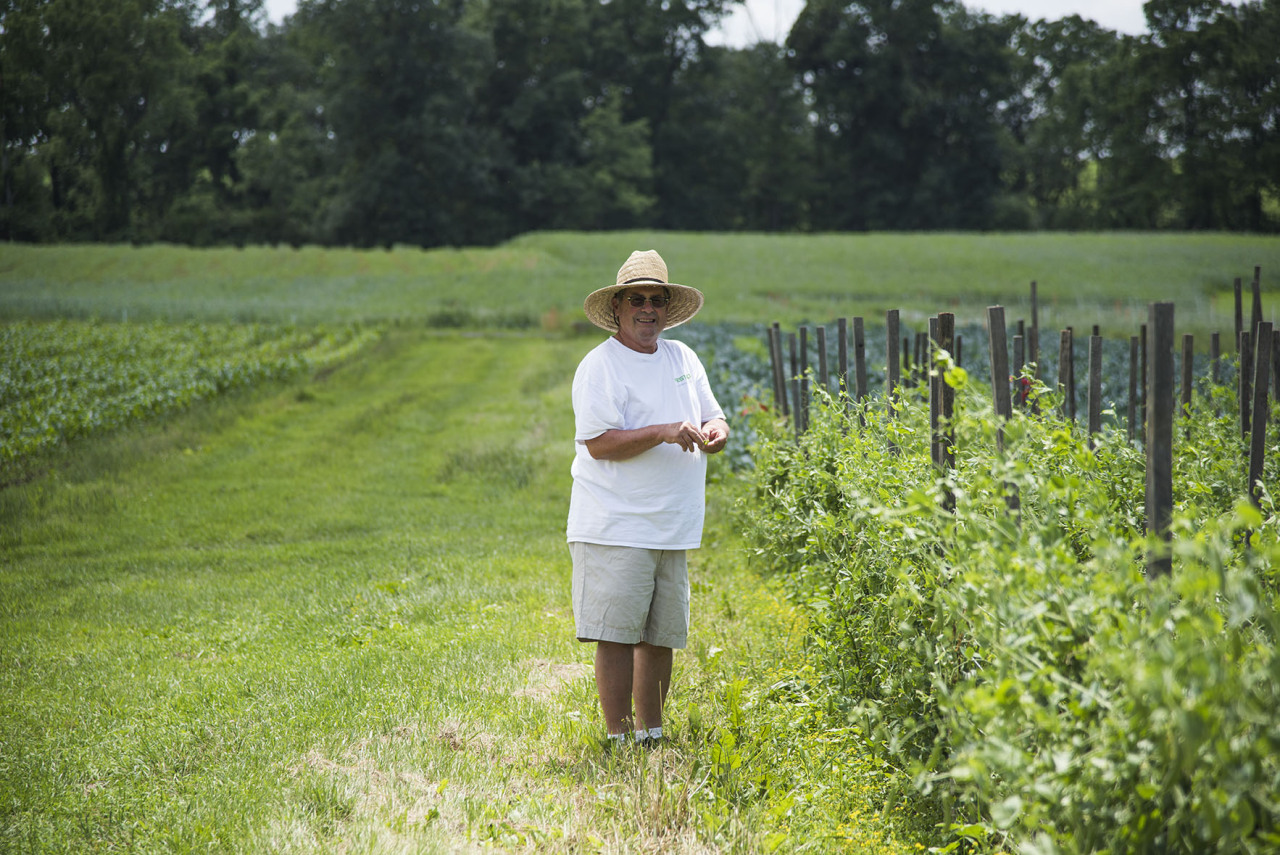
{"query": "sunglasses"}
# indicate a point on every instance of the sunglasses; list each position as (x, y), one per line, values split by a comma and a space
(637, 301)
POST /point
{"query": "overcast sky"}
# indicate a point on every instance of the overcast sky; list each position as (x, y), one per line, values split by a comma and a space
(771, 19)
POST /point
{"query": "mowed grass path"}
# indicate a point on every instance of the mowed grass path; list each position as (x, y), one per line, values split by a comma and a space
(334, 616)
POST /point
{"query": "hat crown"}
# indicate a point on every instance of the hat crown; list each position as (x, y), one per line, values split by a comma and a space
(643, 267)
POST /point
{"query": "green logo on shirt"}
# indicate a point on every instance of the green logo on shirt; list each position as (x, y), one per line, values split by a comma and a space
(683, 378)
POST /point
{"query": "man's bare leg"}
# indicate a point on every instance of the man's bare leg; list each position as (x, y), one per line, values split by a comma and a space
(614, 676)
(652, 678)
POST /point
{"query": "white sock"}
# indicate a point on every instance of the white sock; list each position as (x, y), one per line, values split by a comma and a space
(618, 737)
(655, 732)
(641, 734)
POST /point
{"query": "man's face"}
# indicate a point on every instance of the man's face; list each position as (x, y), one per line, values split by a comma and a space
(639, 326)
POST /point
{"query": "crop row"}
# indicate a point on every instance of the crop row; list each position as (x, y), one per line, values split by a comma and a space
(1038, 689)
(64, 379)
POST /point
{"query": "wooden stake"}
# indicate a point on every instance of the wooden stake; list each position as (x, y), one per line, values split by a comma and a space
(946, 341)
(824, 377)
(1134, 344)
(1215, 358)
(1188, 362)
(1095, 387)
(1256, 314)
(1160, 438)
(859, 359)
(999, 350)
(797, 418)
(775, 363)
(935, 397)
(1261, 406)
(1019, 362)
(1071, 376)
(1239, 314)
(1244, 387)
(780, 379)
(1064, 372)
(893, 377)
(842, 354)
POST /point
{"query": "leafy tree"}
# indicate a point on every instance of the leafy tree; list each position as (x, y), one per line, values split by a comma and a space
(617, 171)
(573, 160)
(1187, 62)
(25, 212)
(644, 51)
(740, 145)
(905, 94)
(1054, 118)
(105, 71)
(1255, 101)
(397, 85)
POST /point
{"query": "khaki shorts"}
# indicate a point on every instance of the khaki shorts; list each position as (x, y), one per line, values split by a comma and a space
(629, 595)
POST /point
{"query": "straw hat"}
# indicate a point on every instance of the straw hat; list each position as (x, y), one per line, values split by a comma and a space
(643, 269)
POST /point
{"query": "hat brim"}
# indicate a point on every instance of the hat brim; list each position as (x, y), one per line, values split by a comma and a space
(685, 303)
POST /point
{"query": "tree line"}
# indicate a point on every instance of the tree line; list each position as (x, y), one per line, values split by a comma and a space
(465, 122)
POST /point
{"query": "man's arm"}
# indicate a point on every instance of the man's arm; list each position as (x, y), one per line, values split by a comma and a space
(624, 444)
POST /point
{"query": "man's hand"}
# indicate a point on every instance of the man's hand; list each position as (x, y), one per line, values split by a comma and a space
(715, 436)
(685, 435)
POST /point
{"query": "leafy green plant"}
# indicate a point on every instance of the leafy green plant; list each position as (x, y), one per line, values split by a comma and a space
(1017, 665)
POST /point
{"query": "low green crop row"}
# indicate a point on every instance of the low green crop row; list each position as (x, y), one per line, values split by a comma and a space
(60, 380)
(1019, 667)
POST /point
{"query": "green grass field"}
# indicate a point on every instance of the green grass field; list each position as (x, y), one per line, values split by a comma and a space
(333, 615)
(330, 613)
(540, 280)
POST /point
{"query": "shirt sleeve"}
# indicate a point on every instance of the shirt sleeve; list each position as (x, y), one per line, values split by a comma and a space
(598, 400)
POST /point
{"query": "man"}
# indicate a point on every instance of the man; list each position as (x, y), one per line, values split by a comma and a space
(645, 419)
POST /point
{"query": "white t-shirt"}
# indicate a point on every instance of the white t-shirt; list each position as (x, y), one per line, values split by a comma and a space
(654, 500)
